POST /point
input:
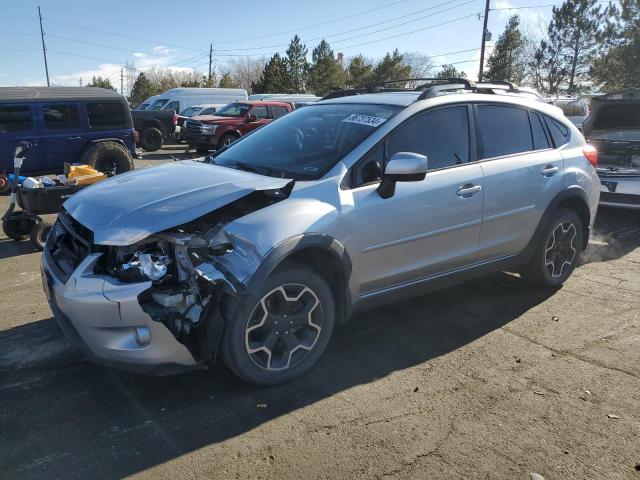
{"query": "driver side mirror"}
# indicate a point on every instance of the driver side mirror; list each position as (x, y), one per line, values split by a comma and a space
(251, 118)
(402, 167)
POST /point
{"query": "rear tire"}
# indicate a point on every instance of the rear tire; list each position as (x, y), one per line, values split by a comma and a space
(39, 234)
(18, 226)
(281, 333)
(108, 157)
(151, 139)
(556, 257)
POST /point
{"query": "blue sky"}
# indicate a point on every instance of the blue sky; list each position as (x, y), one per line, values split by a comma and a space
(177, 34)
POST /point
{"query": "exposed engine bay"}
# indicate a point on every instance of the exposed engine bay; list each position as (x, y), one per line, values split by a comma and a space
(195, 269)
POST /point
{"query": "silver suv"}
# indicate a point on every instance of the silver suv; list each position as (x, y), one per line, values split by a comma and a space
(255, 253)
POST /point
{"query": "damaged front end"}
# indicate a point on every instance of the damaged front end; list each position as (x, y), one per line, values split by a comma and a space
(197, 272)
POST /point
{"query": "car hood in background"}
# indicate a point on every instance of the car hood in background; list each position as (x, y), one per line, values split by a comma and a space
(215, 119)
(127, 208)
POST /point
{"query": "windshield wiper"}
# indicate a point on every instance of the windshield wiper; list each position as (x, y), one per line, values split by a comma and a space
(247, 167)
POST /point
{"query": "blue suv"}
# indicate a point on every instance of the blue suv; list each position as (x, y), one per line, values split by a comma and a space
(85, 125)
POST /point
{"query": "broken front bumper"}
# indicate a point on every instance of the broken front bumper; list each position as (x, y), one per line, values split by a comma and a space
(103, 317)
(620, 191)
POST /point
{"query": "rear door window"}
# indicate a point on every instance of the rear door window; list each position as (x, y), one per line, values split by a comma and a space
(503, 130)
(559, 132)
(15, 118)
(260, 112)
(441, 134)
(173, 105)
(279, 111)
(60, 116)
(106, 114)
(540, 140)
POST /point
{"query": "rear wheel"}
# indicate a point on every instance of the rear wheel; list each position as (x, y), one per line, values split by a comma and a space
(39, 234)
(18, 225)
(151, 139)
(108, 157)
(557, 255)
(282, 334)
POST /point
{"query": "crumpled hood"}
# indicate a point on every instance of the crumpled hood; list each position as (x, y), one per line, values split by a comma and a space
(127, 208)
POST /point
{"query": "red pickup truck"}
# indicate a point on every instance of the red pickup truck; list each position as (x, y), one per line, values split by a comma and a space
(211, 132)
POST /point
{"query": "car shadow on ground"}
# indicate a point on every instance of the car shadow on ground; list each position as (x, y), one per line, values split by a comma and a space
(10, 248)
(75, 417)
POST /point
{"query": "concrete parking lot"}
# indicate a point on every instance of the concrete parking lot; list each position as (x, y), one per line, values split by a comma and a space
(488, 379)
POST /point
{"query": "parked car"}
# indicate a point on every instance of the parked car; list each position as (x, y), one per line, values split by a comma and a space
(206, 109)
(614, 129)
(66, 125)
(180, 98)
(154, 127)
(575, 109)
(209, 132)
(296, 99)
(253, 254)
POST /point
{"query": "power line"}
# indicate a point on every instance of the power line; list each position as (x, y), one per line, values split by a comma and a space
(306, 27)
(365, 27)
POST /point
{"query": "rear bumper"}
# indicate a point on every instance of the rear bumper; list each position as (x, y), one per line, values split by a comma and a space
(104, 319)
(620, 191)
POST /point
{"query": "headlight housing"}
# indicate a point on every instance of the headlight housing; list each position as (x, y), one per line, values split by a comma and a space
(209, 128)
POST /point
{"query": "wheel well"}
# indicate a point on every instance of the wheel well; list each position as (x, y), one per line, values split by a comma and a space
(582, 210)
(331, 269)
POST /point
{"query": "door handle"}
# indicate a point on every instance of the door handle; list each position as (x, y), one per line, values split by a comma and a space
(549, 170)
(468, 190)
(74, 138)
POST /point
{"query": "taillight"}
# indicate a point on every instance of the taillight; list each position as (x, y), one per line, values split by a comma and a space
(136, 136)
(175, 119)
(591, 154)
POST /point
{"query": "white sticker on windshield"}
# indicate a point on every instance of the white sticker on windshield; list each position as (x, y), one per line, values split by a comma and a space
(365, 120)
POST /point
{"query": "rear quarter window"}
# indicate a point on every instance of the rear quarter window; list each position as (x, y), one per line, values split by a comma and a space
(106, 115)
(559, 132)
(15, 118)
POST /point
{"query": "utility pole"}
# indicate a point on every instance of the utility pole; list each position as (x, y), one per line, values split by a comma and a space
(484, 37)
(210, 60)
(44, 50)
(122, 81)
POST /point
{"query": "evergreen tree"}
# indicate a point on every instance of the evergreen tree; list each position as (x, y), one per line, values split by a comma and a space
(359, 71)
(141, 90)
(227, 81)
(572, 33)
(275, 78)
(506, 62)
(297, 66)
(619, 67)
(547, 69)
(450, 71)
(101, 83)
(325, 72)
(391, 67)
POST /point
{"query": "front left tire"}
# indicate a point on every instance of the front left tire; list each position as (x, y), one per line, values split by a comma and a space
(283, 331)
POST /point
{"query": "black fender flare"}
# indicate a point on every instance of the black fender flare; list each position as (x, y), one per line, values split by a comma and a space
(290, 246)
(572, 192)
(93, 142)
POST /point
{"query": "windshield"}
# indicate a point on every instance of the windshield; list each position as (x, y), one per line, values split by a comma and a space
(305, 144)
(158, 104)
(190, 112)
(234, 110)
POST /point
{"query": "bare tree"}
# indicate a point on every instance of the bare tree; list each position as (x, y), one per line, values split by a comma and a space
(246, 71)
(421, 65)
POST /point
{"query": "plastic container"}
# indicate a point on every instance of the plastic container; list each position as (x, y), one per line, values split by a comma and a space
(45, 200)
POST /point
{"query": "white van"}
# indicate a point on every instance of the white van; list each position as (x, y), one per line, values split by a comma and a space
(147, 103)
(180, 98)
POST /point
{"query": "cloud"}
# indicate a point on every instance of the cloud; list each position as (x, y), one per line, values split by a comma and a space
(529, 16)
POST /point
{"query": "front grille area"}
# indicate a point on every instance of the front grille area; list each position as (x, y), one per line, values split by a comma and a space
(193, 128)
(623, 198)
(68, 244)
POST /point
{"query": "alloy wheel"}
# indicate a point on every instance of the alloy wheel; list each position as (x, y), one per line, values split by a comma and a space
(560, 251)
(283, 327)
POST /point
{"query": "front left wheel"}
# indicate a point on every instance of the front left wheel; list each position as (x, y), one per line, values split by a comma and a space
(284, 331)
